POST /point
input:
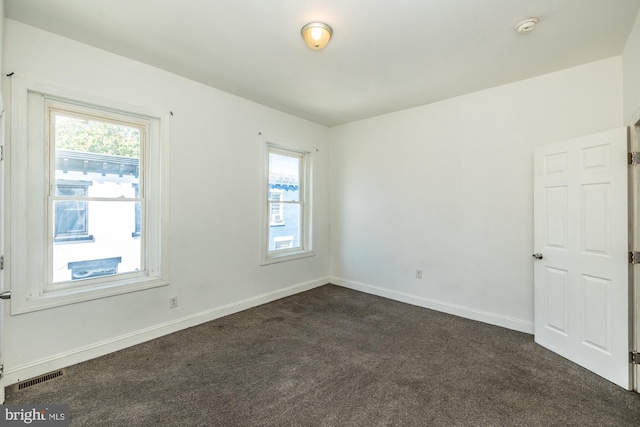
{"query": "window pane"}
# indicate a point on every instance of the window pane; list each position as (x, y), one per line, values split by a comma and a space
(88, 149)
(112, 249)
(284, 175)
(288, 232)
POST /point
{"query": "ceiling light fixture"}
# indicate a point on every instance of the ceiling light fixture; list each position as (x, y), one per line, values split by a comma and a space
(316, 35)
(526, 26)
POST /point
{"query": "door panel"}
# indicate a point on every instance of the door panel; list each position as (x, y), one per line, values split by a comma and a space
(557, 219)
(595, 221)
(596, 316)
(556, 298)
(580, 226)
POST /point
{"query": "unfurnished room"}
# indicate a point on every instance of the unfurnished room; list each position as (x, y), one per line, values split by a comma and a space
(337, 213)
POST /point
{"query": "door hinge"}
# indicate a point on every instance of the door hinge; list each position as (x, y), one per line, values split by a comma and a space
(1, 371)
(1, 262)
(1, 152)
(634, 358)
(634, 257)
(633, 158)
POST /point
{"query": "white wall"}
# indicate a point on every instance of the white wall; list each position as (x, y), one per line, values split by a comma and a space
(214, 215)
(631, 75)
(447, 188)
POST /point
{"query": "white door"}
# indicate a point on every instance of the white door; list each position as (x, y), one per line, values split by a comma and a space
(580, 229)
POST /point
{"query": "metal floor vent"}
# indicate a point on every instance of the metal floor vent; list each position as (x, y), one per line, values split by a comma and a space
(38, 380)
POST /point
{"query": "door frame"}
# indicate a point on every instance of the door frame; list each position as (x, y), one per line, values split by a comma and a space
(2, 253)
(634, 245)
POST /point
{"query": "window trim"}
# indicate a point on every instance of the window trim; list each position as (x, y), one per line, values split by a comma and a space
(306, 202)
(27, 259)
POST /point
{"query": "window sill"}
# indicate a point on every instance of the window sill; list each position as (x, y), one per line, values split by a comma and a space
(274, 258)
(61, 297)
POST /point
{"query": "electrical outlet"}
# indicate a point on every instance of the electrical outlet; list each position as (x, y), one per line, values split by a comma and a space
(418, 274)
(173, 302)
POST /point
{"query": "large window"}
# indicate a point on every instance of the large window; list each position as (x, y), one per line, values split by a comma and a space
(90, 178)
(288, 208)
(105, 151)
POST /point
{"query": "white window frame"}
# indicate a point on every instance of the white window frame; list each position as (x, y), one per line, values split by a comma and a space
(306, 203)
(55, 107)
(29, 151)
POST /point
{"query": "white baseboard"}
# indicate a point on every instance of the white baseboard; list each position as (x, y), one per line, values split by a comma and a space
(457, 310)
(16, 374)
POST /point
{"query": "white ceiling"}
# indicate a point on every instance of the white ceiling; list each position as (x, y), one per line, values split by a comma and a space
(384, 55)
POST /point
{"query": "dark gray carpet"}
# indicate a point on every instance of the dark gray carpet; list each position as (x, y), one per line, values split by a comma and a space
(336, 357)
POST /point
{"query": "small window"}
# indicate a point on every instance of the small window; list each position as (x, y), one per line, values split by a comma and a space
(277, 209)
(94, 268)
(71, 216)
(288, 214)
(285, 242)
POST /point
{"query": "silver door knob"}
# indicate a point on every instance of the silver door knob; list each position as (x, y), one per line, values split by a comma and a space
(537, 256)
